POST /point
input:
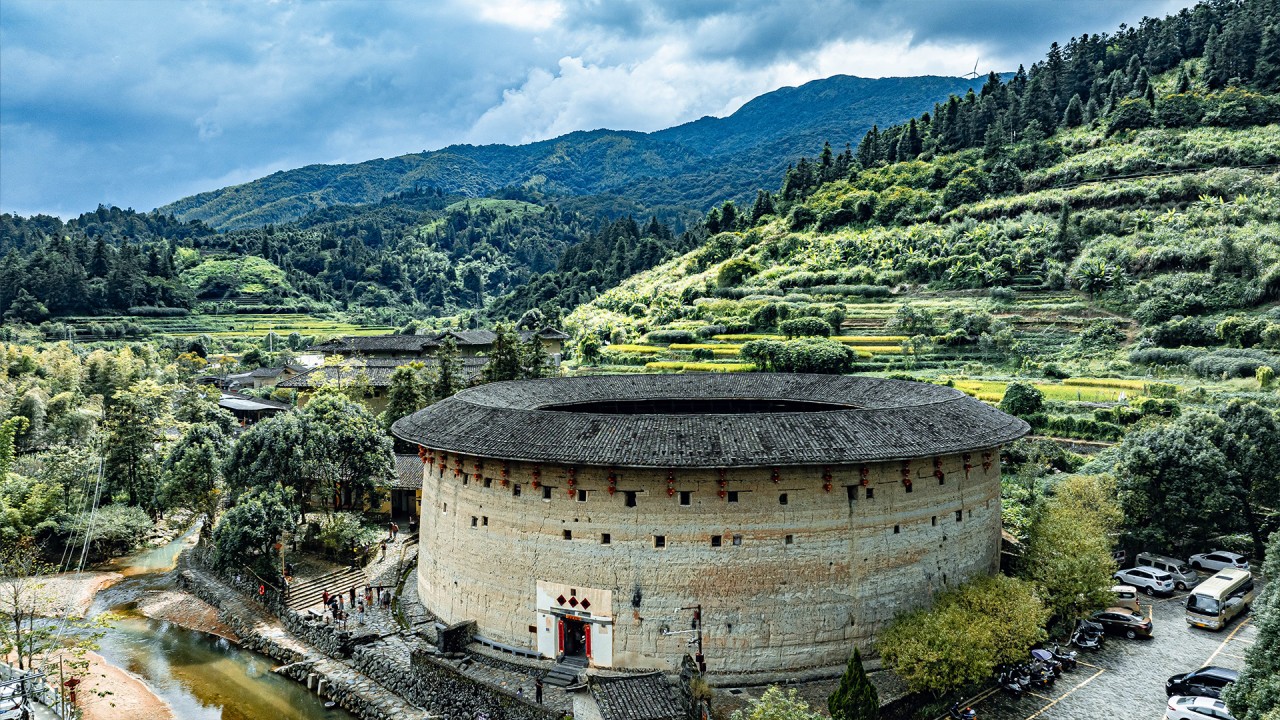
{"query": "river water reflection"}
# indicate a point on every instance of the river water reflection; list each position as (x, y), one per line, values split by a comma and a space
(202, 676)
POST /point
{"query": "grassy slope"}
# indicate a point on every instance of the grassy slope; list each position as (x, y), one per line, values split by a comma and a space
(1154, 232)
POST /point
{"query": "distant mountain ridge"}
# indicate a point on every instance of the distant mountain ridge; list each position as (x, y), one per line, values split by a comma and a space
(694, 165)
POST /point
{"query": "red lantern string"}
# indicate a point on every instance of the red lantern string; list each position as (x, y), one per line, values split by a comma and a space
(613, 483)
(906, 473)
(537, 476)
(826, 479)
(671, 483)
(986, 460)
(865, 476)
(937, 468)
(775, 476)
(967, 465)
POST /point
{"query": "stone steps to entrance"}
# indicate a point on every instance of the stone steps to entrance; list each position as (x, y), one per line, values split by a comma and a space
(565, 672)
(307, 593)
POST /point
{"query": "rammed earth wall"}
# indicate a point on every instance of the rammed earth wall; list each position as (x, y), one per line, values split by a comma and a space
(794, 582)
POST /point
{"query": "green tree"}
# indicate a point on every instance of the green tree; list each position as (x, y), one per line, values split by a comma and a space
(409, 391)
(1256, 695)
(1265, 376)
(734, 271)
(1250, 441)
(774, 704)
(856, 698)
(135, 424)
(1073, 116)
(26, 308)
(449, 376)
(504, 359)
(9, 429)
(1069, 546)
(347, 454)
(192, 476)
(967, 632)
(1173, 486)
(534, 360)
(589, 347)
(1130, 114)
(1022, 399)
(247, 532)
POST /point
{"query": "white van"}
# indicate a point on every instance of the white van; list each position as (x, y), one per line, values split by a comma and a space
(1220, 598)
(1184, 576)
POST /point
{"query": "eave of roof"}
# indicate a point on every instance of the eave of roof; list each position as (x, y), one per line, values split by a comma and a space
(890, 420)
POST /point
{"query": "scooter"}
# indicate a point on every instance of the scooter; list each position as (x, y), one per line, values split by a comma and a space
(1008, 681)
(1041, 675)
(956, 713)
(1047, 659)
(1068, 658)
(1087, 636)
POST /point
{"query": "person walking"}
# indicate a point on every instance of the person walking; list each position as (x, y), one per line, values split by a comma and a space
(395, 531)
(537, 690)
(325, 598)
(353, 596)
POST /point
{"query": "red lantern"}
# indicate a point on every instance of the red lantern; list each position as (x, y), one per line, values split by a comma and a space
(723, 482)
(986, 460)
(906, 473)
(967, 465)
(826, 479)
(537, 476)
(865, 476)
(937, 469)
(775, 476)
(671, 483)
(613, 483)
(422, 454)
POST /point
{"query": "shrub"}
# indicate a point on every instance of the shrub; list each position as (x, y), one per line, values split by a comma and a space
(666, 337)
(805, 327)
(734, 271)
(1231, 363)
(1265, 375)
(805, 355)
(1179, 110)
(1164, 356)
(1130, 114)
(1022, 399)
(1180, 331)
(1002, 294)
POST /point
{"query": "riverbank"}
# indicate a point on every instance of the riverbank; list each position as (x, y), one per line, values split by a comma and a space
(111, 693)
(185, 610)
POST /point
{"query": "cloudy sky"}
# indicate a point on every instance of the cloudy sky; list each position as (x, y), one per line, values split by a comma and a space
(138, 103)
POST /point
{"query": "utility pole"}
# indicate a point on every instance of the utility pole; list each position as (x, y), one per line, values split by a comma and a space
(697, 627)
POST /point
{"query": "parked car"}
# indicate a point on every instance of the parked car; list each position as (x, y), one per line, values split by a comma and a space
(1208, 682)
(1150, 580)
(1184, 576)
(1126, 597)
(1183, 707)
(1123, 621)
(1219, 560)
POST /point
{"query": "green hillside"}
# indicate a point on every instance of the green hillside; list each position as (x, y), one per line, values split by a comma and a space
(690, 166)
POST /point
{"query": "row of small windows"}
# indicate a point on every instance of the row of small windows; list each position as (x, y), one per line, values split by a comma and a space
(934, 521)
(660, 541)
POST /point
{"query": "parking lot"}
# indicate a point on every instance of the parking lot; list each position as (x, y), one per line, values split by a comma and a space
(1125, 680)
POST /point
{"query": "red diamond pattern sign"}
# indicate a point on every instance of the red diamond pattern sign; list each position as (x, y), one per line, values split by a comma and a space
(560, 600)
(586, 603)
(573, 602)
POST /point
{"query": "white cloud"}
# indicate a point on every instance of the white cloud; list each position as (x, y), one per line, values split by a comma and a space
(526, 14)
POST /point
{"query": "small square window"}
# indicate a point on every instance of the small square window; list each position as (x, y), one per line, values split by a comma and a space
(959, 515)
(605, 538)
(629, 498)
(445, 510)
(546, 493)
(871, 492)
(474, 521)
(737, 540)
(484, 520)
(790, 539)
(934, 520)
(782, 499)
(533, 628)
(897, 529)
(732, 496)
(686, 497)
(515, 490)
(716, 541)
(488, 482)
(568, 534)
(659, 541)
(582, 496)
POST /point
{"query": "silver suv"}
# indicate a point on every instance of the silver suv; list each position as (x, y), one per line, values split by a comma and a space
(1150, 580)
(1184, 576)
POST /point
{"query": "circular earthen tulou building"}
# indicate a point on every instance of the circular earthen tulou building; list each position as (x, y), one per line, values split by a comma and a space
(585, 516)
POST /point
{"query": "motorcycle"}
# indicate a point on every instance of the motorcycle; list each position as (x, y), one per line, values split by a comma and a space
(956, 713)
(1008, 681)
(1087, 636)
(1068, 658)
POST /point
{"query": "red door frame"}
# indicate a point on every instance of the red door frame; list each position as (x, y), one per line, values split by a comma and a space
(560, 627)
(586, 628)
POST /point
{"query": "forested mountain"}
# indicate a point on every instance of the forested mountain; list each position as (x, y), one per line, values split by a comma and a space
(693, 165)
(1138, 170)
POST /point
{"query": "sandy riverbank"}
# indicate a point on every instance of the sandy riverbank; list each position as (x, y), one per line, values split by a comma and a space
(74, 592)
(185, 610)
(129, 698)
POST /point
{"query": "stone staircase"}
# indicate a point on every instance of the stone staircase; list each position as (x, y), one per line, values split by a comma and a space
(566, 672)
(307, 593)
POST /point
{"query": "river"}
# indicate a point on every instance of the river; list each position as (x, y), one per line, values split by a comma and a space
(202, 676)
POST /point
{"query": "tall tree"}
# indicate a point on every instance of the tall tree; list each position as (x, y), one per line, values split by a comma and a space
(504, 359)
(856, 698)
(135, 424)
(449, 375)
(1256, 695)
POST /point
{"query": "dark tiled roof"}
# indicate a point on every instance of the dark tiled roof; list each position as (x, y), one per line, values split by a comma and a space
(546, 333)
(377, 343)
(377, 370)
(408, 473)
(638, 697)
(470, 337)
(877, 420)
